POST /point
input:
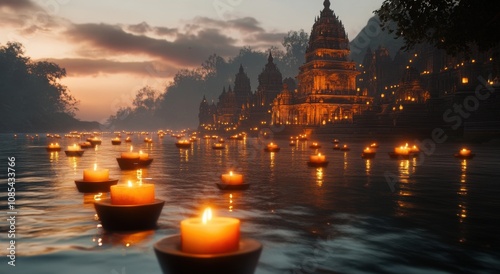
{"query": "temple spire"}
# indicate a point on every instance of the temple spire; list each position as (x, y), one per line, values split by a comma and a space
(270, 57)
(326, 4)
(241, 68)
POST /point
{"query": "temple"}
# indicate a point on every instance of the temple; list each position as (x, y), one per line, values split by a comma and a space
(327, 92)
(332, 94)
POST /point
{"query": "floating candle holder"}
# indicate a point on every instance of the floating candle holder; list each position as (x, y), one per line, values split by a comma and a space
(218, 146)
(95, 180)
(128, 217)
(272, 147)
(208, 245)
(464, 154)
(183, 144)
(315, 145)
(232, 181)
(368, 153)
(345, 148)
(317, 160)
(74, 151)
(52, 147)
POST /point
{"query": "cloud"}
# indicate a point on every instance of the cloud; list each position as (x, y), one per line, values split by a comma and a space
(187, 49)
(243, 25)
(94, 67)
(140, 28)
(145, 28)
(18, 5)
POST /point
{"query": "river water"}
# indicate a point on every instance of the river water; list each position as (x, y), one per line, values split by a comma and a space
(436, 214)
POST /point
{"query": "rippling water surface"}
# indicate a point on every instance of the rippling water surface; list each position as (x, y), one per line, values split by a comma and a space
(435, 214)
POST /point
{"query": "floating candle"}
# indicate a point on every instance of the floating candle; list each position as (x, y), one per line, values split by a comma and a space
(232, 178)
(74, 147)
(130, 154)
(208, 235)
(95, 175)
(465, 152)
(317, 158)
(402, 150)
(54, 145)
(132, 194)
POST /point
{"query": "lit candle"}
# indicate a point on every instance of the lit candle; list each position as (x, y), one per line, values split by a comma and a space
(368, 150)
(132, 194)
(143, 156)
(465, 152)
(272, 146)
(130, 154)
(317, 158)
(74, 147)
(56, 145)
(402, 150)
(232, 178)
(414, 149)
(208, 235)
(96, 175)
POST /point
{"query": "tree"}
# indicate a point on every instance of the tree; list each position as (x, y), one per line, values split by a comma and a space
(146, 100)
(295, 44)
(456, 26)
(31, 96)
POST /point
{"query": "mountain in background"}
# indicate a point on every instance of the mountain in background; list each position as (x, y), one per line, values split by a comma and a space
(372, 36)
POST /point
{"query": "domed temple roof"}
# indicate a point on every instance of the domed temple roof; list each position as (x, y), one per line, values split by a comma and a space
(328, 32)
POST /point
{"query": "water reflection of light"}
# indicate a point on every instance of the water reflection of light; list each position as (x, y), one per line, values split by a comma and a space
(319, 176)
(345, 161)
(404, 171)
(54, 157)
(271, 162)
(90, 198)
(404, 186)
(368, 166)
(73, 161)
(462, 202)
(230, 202)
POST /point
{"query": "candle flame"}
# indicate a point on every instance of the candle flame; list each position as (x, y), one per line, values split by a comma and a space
(95, 166)
(230, 173)
(74, 145)
(319, 154)
(131, 148)
(140, 151)
(129, 183)
(207, 215)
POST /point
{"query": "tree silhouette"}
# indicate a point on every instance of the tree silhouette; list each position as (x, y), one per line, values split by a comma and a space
(453, 25)
(30, 95)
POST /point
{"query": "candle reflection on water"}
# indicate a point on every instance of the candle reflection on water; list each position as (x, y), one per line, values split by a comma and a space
(319, 176)
(462, 201)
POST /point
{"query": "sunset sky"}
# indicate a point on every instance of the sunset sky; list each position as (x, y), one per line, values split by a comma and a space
(112, 48)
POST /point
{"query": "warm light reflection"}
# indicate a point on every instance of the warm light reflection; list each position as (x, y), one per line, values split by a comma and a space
(346, 161)
(231, 202)
(368, 166)
(462, 200)
(319, 176)
(271, 157)
(54, 156)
